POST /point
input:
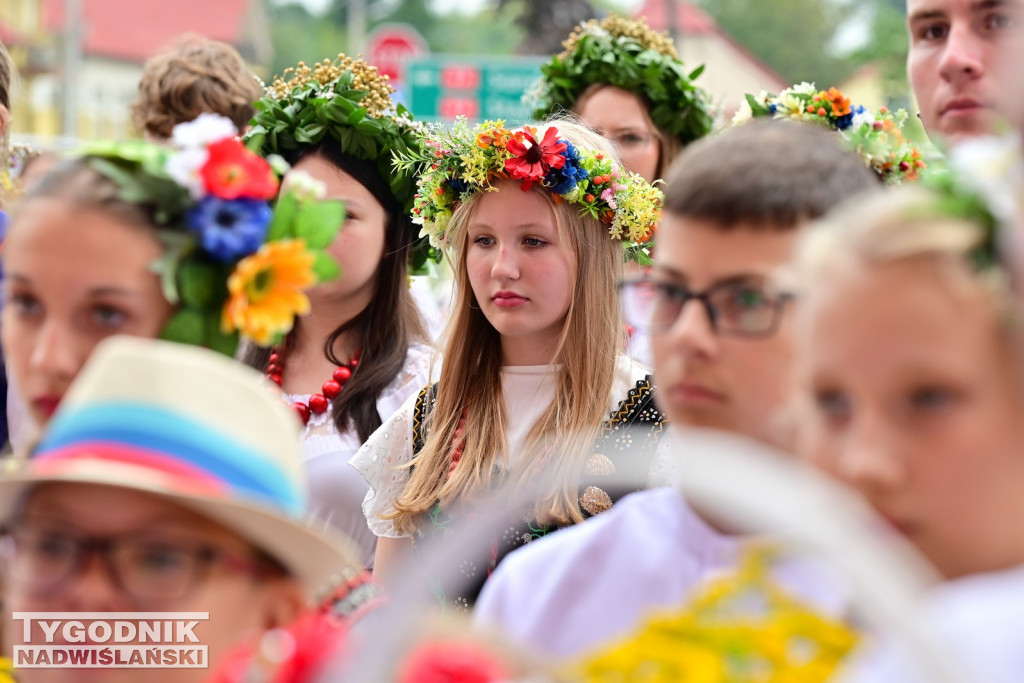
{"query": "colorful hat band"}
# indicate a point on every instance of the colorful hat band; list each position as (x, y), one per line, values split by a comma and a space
(191, 456)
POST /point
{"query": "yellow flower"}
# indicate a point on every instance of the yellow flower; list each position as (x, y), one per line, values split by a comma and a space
(266, 291)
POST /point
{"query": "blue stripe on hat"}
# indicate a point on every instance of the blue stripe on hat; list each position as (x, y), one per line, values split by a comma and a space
(249, 472)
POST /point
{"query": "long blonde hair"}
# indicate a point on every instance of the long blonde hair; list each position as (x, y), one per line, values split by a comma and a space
(903, 224)
(470, 380)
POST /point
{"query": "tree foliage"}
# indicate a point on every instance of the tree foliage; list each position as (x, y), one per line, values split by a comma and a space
(793, 37)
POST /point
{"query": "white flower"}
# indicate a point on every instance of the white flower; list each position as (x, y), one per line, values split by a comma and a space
(184, 166)
(804, 88)
(789, 104)
(743, 114)
(861, 118)
(986, 165)
(304, 186)
(206, 128)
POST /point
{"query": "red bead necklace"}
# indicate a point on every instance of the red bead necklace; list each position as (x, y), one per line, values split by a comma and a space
(317, 403)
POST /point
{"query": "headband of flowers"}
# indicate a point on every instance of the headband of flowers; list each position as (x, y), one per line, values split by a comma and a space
(457, 163)
(876, 136)
(627, 54)
(350, 101)
(984, 183)
(741, 627)
(233, 266)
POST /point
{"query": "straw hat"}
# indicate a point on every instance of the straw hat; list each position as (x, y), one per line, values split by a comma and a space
(194, 427)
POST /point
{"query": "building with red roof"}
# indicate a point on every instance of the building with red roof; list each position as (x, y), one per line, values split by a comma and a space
(114, 39)
(730, 70)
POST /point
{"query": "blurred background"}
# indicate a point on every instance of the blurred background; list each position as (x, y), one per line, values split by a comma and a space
(80, 60)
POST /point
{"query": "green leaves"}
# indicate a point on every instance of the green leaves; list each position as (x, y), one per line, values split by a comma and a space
(318, 222)
(325, 267)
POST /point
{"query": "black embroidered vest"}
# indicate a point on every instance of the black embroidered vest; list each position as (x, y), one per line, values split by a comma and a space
(624, 447)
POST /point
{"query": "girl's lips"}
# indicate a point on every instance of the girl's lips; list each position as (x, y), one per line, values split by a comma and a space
(508, 300)
(47, 405)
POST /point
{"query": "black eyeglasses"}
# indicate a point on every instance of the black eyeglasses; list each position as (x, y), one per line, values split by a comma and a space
(146, 568)
(740, 309)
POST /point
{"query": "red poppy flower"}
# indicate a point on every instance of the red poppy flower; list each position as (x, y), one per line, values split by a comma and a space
(532, 163)
(451, 662)
(232, 171)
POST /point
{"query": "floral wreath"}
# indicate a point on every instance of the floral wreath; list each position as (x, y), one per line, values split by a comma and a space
(984, 184)
(739, 628)
(876, 136)
(233, 266)
(455, 164)
(626, 54)
(350, 101)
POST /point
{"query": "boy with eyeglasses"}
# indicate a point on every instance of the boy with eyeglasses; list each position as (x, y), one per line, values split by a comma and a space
(734, 207)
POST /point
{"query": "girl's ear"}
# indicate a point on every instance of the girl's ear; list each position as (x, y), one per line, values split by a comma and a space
(283, 602)
(4, 116)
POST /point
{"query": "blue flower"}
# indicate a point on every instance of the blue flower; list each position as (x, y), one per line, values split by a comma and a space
(229, 229)
(773, 108)
(458, 185)
(844, 122)
(563, 180)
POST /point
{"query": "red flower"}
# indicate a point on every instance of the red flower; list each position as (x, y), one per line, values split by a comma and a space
(532, 163)
(451, 662)
(232, 171)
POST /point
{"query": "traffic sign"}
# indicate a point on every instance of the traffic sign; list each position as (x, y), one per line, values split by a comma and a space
(441, 87)
(390, 46)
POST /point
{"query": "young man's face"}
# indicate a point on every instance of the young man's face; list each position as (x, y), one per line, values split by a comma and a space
(954, 62)
(706, 378)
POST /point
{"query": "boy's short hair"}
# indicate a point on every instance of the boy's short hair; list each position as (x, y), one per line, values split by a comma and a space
(198, 76)
(771, 174)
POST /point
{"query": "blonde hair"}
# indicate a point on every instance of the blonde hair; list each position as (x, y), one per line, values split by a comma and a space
(470, 379)
(669, 146)
(198, 76)
(903, 224)
(7, 75)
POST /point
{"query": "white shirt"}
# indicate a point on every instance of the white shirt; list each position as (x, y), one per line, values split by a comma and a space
(336, 489)
(976, 623)
(527, 391)
(583, 586)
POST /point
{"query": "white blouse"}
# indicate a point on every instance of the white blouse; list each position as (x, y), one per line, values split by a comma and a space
(527, 390)
(336, 490)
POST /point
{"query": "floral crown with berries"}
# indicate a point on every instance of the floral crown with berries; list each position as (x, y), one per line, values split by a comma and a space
(457, 163)
(232, 265)
(350, 101)
(876, 136)
(627, 54)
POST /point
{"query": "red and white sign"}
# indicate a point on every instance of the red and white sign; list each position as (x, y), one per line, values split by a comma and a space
(389, 46)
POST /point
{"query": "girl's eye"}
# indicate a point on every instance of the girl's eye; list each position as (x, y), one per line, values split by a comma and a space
(483, 241)
(931, 398)
(534, 242)
(108, 316)
(24, 304)
(832, 403)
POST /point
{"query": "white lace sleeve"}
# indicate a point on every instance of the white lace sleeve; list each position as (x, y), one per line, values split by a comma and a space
(380, 461)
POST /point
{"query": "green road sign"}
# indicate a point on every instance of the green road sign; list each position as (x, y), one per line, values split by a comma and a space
(441, 87)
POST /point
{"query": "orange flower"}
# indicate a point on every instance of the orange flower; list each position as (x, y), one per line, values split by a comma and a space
(840, 104)
(267, 290)
(483, 140)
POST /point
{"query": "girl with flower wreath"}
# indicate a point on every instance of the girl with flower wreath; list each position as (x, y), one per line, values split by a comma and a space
(626, 81)
(909, 370)
(362, 350)
(178, 242)
(535, 222)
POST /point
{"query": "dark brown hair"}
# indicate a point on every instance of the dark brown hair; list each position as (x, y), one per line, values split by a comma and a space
(391, 321)
(198, 76)
(775, 174)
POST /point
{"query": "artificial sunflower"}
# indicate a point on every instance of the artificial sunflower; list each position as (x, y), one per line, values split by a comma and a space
(266, 291)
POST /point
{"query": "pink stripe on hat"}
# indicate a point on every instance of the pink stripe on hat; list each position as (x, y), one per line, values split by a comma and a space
(182, 476)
